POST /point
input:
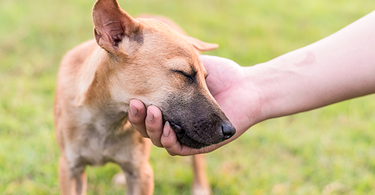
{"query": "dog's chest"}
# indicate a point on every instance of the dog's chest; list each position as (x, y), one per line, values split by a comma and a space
(97, 143)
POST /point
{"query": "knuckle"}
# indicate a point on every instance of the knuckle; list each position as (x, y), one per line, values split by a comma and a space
(145, 135)
(150, 130)
(134, 120)
(155, 143)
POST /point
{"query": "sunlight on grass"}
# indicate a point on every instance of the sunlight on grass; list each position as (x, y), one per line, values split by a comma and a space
(326, 151)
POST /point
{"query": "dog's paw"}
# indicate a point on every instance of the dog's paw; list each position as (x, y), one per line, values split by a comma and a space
(200, 190)
(119, 179)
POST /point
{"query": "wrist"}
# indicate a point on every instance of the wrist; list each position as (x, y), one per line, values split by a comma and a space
(253, 89)
(277, 83)
(260, 88)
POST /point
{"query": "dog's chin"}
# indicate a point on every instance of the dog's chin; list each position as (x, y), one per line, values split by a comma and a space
(188, 141)
(185, 139)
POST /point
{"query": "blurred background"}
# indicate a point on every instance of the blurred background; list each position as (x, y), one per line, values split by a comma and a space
(325, 151)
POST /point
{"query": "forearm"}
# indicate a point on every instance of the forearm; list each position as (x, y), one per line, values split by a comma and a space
(339, 67)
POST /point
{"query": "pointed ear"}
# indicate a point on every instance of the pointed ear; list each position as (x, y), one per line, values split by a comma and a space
(111, 24)
(200, 45)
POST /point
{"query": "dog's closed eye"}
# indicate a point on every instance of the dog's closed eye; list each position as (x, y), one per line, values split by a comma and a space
(190, 76)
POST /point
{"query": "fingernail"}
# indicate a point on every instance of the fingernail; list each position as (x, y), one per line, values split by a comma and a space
(150, 116)
(133, 110)
(166, 129)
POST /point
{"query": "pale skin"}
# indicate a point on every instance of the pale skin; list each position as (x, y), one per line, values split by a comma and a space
(336, 68)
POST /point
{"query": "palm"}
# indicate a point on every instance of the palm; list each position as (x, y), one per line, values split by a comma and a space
(239, 100)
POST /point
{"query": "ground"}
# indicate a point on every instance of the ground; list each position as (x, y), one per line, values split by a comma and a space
(326, 151)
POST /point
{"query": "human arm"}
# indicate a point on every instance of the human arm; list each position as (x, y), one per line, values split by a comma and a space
(336, 68)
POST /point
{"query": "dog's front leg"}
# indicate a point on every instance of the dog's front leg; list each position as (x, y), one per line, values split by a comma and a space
(139, 178)
(72, 182)
(200, 183)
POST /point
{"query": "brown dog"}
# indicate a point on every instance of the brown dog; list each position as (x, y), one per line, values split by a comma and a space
(131, 58)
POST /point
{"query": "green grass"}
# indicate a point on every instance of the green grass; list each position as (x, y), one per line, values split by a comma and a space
(309, 153)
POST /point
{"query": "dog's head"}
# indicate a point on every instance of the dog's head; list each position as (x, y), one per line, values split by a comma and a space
(150, 61)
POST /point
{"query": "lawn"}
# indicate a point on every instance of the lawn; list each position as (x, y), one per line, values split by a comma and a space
(325, 151)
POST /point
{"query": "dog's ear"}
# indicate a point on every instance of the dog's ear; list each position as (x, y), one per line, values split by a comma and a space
(200, 45)
(111, 24)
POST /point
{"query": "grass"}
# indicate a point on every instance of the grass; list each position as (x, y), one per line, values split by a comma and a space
(325, 151)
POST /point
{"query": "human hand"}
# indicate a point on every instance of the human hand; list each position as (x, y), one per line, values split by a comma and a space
(228, 83)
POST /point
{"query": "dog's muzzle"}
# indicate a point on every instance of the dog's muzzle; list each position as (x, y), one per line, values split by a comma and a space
(198, 140)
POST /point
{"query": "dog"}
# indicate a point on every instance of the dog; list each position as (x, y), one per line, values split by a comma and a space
(130, 58)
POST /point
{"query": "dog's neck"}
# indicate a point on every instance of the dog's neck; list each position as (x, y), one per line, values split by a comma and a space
(107, 119)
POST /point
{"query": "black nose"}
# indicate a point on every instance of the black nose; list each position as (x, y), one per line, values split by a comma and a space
(228, 130)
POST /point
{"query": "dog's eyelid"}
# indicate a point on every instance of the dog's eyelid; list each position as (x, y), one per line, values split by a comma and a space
(190, 76)
(183, 72)
(178, 71)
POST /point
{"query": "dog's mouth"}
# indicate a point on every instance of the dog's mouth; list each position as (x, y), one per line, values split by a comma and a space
(197, 124)
(184, 138)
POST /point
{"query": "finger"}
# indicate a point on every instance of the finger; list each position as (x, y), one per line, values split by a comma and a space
(154, 125)
(207, 61)
(137, 115)
(211, 63)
